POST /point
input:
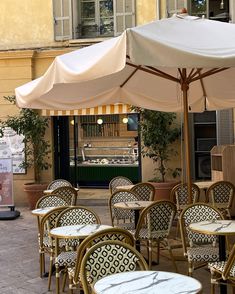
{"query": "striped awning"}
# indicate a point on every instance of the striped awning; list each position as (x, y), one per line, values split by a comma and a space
(105, 109)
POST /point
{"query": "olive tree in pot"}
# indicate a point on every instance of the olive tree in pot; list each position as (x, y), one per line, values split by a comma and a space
(158, 132)
(33, 127)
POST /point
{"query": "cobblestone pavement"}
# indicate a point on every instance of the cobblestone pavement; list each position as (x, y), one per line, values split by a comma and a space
(19, 265)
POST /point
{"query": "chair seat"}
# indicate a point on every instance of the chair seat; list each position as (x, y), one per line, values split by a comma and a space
(219, 267)
(144, 234)
(67, 259)
(203, 253)
(126, 226)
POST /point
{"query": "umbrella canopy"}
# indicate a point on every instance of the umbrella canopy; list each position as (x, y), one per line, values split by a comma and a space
(181, 63)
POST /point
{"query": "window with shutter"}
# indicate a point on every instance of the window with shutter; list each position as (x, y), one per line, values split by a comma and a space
(124, 12)
(175, 6)
(62, 19)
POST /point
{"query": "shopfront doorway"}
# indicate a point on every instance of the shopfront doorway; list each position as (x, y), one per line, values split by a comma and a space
(90, 150)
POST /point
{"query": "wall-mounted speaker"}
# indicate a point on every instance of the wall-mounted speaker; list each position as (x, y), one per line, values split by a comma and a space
(204, 166)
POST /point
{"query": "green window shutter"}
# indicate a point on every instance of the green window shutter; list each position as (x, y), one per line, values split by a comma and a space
(124, 15)
(175, 6)
(62, 19)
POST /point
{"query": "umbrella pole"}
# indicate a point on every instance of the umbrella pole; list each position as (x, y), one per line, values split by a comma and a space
(184, 88)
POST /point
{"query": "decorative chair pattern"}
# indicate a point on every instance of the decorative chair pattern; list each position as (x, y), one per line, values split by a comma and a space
(198, 248)
(154, 225)
(46, 244)
(66, 256)
(221, 195)
(144, 191)
(69, 194)
(118, 181)
(223, 271)
(123, 215)
(104, 235)
(179, 195)
(58, 183)
(106, 258)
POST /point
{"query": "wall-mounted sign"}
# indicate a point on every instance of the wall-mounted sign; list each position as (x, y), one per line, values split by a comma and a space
(6, 182)
(12, 146)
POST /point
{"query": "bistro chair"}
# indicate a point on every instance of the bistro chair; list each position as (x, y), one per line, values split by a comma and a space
(46, 244)
(58, 183)
(66, 256)
(179, 195)
(104, 235)
(198, 248)
(107, 258)
(50, 200)
(223, 271)
(144, 191)
(221, 195)
(122, 217)
(69, 194)
(154, 226)
(118, 181)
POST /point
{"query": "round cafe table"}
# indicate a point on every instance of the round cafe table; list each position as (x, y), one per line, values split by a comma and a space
(133, 205)
(41, 211)
(126, 187)
(221, 228)
(147, 282)
(51, 191)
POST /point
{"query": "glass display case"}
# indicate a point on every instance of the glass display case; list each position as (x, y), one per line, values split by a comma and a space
(106, 156)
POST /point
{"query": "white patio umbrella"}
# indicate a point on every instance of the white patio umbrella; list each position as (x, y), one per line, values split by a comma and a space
(181, 63)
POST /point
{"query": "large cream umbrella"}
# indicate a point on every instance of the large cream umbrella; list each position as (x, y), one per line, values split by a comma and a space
(178, 64)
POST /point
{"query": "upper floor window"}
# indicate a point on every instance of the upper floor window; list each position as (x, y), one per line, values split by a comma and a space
(76, 19)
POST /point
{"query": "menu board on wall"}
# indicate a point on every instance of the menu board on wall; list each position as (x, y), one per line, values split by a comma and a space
(6, 182)
(12, 146)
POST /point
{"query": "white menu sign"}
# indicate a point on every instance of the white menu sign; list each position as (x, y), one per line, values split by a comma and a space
(12, 146)
(6, 182)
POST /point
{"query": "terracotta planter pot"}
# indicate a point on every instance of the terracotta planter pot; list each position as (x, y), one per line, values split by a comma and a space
(34, 192)
(163, 190)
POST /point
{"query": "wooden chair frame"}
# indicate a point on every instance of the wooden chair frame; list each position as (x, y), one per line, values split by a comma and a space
(54, 183)
(139, 186)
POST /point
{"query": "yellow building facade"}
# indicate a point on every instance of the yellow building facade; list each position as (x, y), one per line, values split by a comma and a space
(28, 47)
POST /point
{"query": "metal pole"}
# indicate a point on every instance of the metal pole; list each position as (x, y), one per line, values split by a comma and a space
(184, 88)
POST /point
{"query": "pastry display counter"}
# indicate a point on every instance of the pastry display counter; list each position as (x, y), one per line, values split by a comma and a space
(96, 166)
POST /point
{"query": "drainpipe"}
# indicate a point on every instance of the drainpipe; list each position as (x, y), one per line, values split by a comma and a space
(158, 9)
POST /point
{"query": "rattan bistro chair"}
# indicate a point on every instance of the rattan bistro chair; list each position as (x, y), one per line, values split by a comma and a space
(198, 248)
(46, 244)
(144, 191)
(66, 256)
(104, 235)
(118, 181)
(223, 271)
(58, 183)
(154, 226)
(106, 258)
(122, 217)
(69, 194)
(50, 200)
(221, 195)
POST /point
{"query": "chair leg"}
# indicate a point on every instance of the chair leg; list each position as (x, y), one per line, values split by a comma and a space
(172, 256)
(50, 272)
(190, 268)
(150, 253)
(64, 279)
(57, 276)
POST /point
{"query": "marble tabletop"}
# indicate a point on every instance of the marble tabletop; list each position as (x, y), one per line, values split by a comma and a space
(51, 191)
(137, 205)
(147, 282)
(42, 211)
(204, 184)
(126, 187)
(214, 227)
(77, 231)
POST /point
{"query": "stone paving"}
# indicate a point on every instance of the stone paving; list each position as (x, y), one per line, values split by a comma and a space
(19, 265)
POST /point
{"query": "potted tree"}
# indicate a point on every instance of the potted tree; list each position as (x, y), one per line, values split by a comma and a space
(33, 127)
(158, 132)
